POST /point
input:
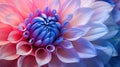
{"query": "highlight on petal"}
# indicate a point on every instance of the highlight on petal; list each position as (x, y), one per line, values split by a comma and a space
(69, 6)
(67, 55)
(42, 56)
(97, 31)
(10, 15)
(73, 34)
(27, 61)
(66, 44)
(81, 16)
(15, 36)
(24, 6)
(23, 48)
(4, 32)
(55, 62)
(86, 3)
(8, 52)
(84, 48)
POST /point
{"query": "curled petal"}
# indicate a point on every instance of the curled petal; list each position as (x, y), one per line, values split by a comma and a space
(97, 31)
(23, 48)
(73, 34)
(4, 32)
(67, 55)
(81, 16)
(15, 36)
(10, 15)
(84, 48)
(7, 63)
(25, 8)
(55, 62)
(27, 61)
(42, 56)
(8, 52)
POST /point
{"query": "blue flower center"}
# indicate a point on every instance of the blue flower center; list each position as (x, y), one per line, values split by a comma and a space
(44, 29)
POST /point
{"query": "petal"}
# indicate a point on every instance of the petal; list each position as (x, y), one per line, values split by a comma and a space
(97, 31)
(66, 44)
(23, 48)
(7, 63)
(42, 56)
(15, 36)
(10, 15)
(73, 34)
(55, 62)
(24, 6)
(93, 62)
(86, 3)
(4, 32)
(41, 4)
(54, 4)
(8, 52)
(27, 61)
(81, 16)
(84, 48)
(69, 6)
(67, 55)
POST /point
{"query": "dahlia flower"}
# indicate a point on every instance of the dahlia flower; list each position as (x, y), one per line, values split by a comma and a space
(51, 33)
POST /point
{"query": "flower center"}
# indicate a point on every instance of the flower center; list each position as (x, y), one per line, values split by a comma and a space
(44, 28)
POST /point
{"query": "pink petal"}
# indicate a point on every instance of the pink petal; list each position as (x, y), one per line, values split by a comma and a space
(23, 48)
(8, 52)
(8, 63)
(54, 4)
(15, 36)
(42, 56)
(55, 62)
(41, 4)
(27, 61)
(84, 48)
(97, 31)
(69, 6)
(10, 15)
(24, 6)
(73, 34)
(86, 3)
(81, 16)
(67, 55)
(4, 32)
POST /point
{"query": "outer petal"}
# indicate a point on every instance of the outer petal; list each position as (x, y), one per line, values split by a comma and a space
(42, 56)
(27, 61)
(101, 14)
(81, 16)
(4, 32)
(73, 34)
(23, 48)
(84, 48)
(15, 36)
(97, 30)
(55, 62)
(10, 15)
(8, 63)
(24, 6)
(67, 55)
(8, 52)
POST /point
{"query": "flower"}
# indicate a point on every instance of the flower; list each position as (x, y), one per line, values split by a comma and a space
(51, 32)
